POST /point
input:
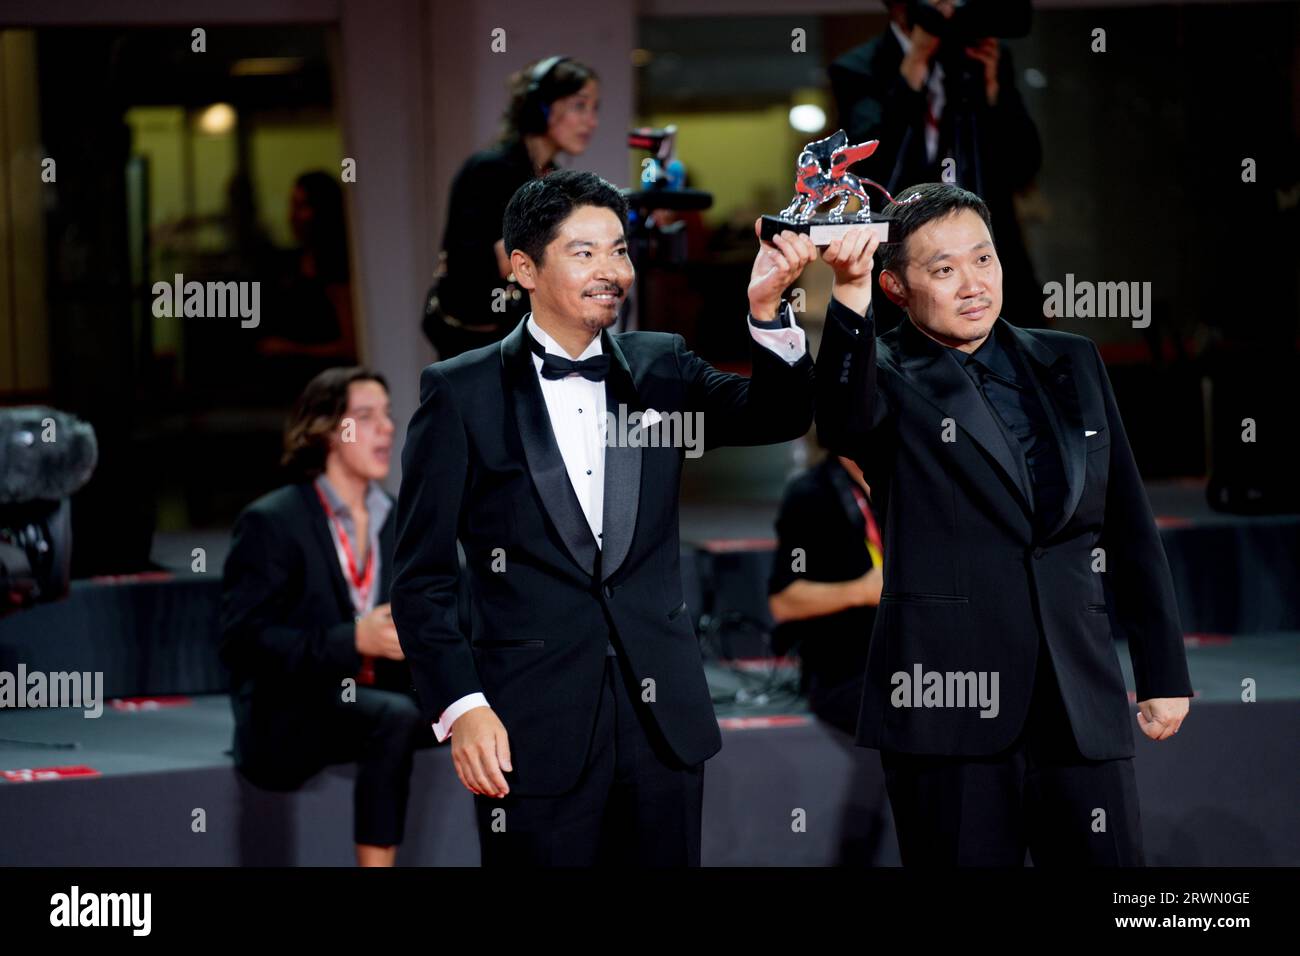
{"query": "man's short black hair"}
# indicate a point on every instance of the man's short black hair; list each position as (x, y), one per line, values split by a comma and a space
(936, 201)
(537, 208)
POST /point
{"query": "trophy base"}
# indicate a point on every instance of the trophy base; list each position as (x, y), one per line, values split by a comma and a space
(821, 233)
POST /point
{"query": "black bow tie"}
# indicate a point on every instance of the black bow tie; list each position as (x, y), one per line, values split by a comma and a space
(593, 369)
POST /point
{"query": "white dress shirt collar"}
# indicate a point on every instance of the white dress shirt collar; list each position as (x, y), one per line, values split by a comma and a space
(554, 347)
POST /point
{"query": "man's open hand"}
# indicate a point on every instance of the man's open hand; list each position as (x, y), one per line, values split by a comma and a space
(1160, 717)
(480, 751)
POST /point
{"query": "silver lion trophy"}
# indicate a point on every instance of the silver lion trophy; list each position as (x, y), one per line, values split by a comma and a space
(821, 175)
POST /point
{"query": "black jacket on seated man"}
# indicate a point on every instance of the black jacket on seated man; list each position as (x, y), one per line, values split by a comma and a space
(991, 553)
(288, 635)
(481, 464)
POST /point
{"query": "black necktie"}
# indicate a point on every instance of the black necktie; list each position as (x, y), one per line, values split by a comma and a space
(594, 369)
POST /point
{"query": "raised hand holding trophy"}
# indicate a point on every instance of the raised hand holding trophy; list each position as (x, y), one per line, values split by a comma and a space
(822, 174)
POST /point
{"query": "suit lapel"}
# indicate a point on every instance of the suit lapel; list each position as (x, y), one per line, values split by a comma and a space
(1053, 376)
(542, 453)
(622, 465)
(325, 542)
(938, 375)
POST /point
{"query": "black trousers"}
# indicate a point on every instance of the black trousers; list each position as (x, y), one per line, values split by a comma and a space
(634, 804)
(1040, 794)
(381, 731)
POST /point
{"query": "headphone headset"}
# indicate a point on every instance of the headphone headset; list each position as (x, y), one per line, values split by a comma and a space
(533, 115)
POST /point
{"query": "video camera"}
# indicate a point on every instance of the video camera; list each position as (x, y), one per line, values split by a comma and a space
(972, 20)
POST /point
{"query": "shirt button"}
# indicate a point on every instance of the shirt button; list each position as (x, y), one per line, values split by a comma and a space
(589, 471)
(580, 411)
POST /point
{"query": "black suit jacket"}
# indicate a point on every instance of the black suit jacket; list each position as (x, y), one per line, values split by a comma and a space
(288, 631)
(481, 465)
(968, 586)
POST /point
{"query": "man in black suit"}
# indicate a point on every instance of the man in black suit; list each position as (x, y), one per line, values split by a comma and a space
(317, 670)
(945, 114)
(580, 716)
(1018, 545)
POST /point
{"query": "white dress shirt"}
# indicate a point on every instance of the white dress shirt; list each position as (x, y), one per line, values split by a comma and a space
(377, 507)
(576, 408)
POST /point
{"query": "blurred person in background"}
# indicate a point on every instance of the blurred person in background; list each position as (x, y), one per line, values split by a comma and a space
(946, 113)
(825, 585)
(312, 315)
(318, 674)
(475, 299)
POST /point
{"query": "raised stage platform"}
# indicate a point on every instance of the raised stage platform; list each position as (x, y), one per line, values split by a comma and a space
(1223, 792)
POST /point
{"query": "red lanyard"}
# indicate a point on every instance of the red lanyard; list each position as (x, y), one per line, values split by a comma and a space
(874, 544)
(363, 581)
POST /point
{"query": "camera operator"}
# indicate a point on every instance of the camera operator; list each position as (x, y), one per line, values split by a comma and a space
(938, 90)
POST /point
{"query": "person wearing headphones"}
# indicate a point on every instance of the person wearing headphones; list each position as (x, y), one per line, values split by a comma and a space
(475, 300)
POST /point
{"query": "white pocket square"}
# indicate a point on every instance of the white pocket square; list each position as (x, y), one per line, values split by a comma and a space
(1089, 432)
(650, 418)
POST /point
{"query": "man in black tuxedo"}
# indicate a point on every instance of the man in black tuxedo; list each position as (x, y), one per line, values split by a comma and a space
(1018, 544)
(580, 716)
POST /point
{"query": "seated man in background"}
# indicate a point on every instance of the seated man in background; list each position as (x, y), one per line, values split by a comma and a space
(318, 674)
(825, 585)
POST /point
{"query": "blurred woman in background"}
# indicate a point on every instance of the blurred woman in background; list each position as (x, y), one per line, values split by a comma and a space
(313, 296)
(475, 300)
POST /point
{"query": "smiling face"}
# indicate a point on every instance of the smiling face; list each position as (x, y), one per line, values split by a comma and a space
(370, 446)
(572, 119)
(951, 280)
(585, 273)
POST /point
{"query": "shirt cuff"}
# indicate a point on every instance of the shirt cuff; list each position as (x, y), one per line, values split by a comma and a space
(787, 341)
(442, 726)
